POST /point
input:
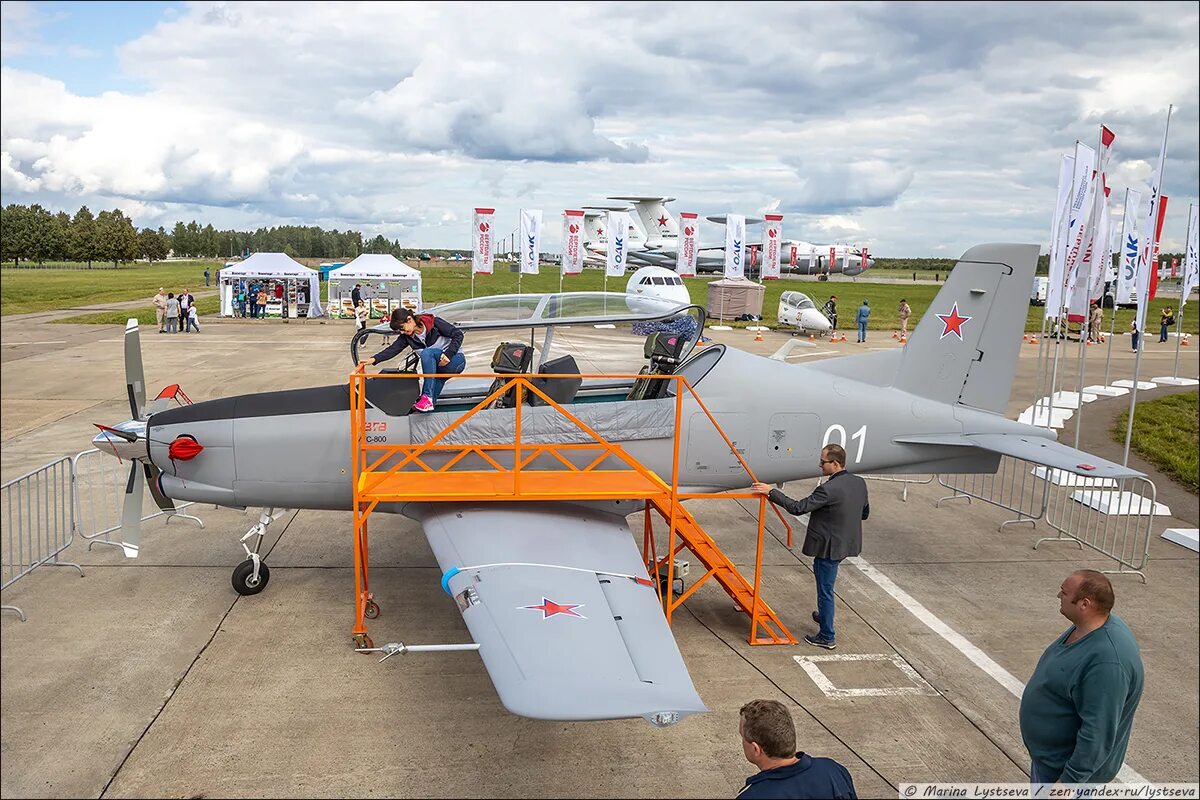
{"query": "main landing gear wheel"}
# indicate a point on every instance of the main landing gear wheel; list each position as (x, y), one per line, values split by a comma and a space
(361, 640)
(372, 610)
(244, 581)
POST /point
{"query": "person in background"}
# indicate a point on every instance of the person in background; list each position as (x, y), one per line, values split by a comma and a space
(1077, 709)
(1134, 335)
(160, 309)
(1166, 320)
(769, 743)
(193, 318)
(905, 313)
(241, 299)
(864, 311)
(363, 315)
(356, 295)
(830, 312)
(261, 301)
(185, 302)
(207, 275)
(1095, 322)
(172, 313)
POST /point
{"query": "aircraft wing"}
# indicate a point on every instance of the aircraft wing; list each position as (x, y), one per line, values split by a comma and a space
(557, 597)
(1035, 449)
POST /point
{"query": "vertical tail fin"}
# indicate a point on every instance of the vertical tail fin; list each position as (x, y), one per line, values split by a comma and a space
(656, 221)
(965, 348)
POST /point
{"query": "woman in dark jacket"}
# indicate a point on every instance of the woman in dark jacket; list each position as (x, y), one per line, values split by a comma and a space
(438, 344)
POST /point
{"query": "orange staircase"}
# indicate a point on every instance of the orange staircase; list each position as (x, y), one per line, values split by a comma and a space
(433, 471)
(719, 567)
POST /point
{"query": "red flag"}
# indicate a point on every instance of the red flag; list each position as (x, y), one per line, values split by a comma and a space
(1162, 214)
(1106, 136)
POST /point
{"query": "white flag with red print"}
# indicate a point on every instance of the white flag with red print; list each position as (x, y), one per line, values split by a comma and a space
(1149, 228)
(572, 253)
(531, 240)
(618, 243)
(1058, 237)
(685, 258)
(771, 242)
(1079, 210)
(481, 241)
(1127, 268)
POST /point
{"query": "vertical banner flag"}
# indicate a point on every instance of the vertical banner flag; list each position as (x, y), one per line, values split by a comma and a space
(1162, 213)
(1101, 253)
(618, 241)
(1127, 271)
(481, 241)
(1191, 257)
(531, 240)
(685, 258)
(794, 259)
(1148, 239)
(1091, 251)
(866, 258)
(735, 246)
(1058, 237)
(1075, 219)
(572, 242)
(832, 259)
(771, 242)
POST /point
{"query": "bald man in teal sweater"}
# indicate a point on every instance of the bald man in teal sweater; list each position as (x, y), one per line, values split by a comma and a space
(1077, 710)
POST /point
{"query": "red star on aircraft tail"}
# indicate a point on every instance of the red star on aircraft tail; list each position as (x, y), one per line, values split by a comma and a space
(549, 608)
(662, 221)
(953, 323)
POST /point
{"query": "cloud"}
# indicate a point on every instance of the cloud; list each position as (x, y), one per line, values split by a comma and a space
(915, 127)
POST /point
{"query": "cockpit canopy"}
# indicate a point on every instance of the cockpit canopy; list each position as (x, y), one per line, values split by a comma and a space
(797, 300)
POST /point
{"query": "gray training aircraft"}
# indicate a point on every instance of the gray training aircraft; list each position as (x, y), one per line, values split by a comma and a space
(559, 636)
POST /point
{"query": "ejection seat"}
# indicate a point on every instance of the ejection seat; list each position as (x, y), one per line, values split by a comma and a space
(516, 358)
(663, 349)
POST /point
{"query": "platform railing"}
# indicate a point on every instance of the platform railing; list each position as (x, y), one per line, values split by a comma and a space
(371, 458)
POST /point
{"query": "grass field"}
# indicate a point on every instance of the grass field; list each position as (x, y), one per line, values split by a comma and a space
(23, 291)
(1166, 432)
(145, 316)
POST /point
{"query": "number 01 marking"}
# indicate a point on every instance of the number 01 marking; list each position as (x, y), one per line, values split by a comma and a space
(860, 435)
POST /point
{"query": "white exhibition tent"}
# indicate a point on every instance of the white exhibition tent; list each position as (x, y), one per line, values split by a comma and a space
(372, 270)
(276, 266)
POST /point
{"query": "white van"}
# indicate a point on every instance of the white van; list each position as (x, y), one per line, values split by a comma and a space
(1040, 291)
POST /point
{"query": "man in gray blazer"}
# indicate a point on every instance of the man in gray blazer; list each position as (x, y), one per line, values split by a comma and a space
(837, 508)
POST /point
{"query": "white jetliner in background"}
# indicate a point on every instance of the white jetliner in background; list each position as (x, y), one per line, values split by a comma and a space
(657, 239)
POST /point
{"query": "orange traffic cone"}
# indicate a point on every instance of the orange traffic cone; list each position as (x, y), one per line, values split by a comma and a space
(1033, 339)
(1025, 337)
(1185, 341)
(895, 335)
(758, 335)
(903, 338)
(1089, 342)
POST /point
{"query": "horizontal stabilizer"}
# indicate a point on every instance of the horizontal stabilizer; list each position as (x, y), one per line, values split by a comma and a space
(1034, 449)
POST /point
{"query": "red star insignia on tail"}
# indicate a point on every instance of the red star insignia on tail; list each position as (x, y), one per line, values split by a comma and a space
(662, 221)
(549, 608)
(953, 323)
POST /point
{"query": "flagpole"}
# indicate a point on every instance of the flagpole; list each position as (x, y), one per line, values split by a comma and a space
(1178, 334)
(1137, 366)
(1112, 332)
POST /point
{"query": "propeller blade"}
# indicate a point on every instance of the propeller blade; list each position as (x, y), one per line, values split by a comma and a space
(166, 504)
(135, 376)
(131, 512)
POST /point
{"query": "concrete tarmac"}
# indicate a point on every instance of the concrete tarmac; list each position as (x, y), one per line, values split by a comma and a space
(154, 678)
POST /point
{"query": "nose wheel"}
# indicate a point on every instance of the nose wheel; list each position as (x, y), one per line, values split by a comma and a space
(251, 576)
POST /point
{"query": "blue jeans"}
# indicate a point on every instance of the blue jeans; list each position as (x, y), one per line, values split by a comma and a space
(429, 366)
(825, 570)
(1134, 337)
(1038, 773)
(1162, 334)
(862, 331)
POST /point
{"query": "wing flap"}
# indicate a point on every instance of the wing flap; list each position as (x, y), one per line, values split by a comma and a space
(1035, 449)
(549, 592)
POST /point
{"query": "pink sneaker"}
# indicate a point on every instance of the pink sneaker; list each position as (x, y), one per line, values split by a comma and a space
(423, 404)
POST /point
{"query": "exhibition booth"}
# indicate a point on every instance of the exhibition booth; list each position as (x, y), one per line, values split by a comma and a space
(292, 289)
(386, 283)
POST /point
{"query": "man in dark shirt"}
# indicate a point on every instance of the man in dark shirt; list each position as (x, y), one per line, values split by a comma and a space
(837, 507)
(769, 743)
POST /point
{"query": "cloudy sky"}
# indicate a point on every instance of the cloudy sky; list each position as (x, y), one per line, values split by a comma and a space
(915, 129)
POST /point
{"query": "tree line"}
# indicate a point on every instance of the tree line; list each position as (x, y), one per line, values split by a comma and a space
(33, 233)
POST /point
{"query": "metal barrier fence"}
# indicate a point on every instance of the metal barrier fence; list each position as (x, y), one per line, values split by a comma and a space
(39, 522)
(1013, 487)
(1112, 517)
(906, 480)
(98, 489)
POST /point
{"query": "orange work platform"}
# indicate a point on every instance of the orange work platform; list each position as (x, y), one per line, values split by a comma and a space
(396, 473)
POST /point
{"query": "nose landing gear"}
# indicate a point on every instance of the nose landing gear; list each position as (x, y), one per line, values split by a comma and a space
(251, 576)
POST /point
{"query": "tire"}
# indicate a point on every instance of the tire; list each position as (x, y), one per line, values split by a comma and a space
(241, 577)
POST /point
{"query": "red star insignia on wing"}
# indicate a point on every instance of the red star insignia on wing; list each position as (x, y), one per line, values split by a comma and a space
(953, 323)
(662, 221)
(549, 608)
